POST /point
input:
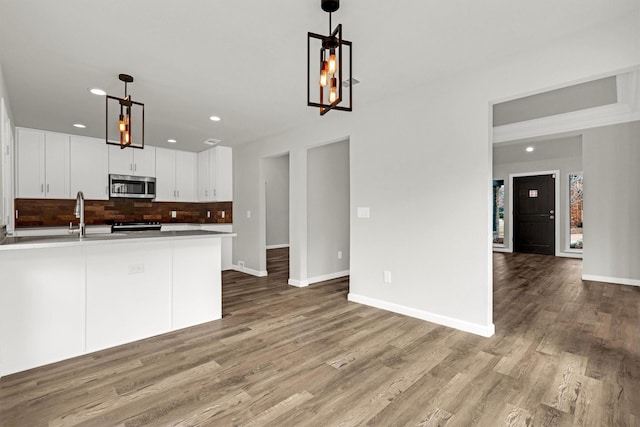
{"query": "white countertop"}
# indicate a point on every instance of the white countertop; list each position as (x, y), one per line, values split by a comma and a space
(39, 242)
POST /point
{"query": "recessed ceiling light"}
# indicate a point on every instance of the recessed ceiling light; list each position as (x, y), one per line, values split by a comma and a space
(79, 125)
(97, 91)
(173, 141)
(215, 118)
(529, 149)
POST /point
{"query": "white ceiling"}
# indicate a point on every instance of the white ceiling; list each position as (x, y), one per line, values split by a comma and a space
(245, 60)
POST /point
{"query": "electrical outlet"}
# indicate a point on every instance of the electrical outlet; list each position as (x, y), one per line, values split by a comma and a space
(248, 214)
(174, 214)
(241, 264)
(208, 214)
(339, 254)
(387, 276)
(222, 214)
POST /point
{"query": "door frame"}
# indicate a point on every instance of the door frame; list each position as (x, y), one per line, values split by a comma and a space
(558, 208)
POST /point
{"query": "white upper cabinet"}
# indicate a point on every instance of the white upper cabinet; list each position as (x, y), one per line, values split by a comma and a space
(132, 161)
(204, 182)
(215, 174)
(175, 175)
(89, 167)
(43, 164)
(223, 190)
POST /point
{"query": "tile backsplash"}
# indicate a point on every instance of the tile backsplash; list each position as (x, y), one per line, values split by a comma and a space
(59, 212)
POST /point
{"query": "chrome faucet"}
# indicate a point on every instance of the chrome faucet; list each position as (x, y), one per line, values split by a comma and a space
(79, 212)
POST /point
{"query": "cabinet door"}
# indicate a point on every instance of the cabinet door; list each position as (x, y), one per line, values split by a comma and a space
(144, 161)
(224, 174)
(30, 162)
(203, 176)
(89, 167)
(120, 160)
(185, 176)
(56, 165)
(226, 242)
(165, 175)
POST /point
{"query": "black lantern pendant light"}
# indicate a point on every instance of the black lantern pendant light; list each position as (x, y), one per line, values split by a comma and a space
(334, 67)
(127, 110)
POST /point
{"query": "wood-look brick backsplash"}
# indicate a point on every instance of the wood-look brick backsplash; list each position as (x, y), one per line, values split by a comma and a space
(57, 212)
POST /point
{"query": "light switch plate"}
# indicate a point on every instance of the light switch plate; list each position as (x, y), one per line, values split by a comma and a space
(363, 213)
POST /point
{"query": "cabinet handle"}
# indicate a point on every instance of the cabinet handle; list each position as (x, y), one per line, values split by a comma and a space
(206, 193)
(135, 167)
(131, 167)
(42, 188)
(214, 192)
(47, 188)
(178, 192)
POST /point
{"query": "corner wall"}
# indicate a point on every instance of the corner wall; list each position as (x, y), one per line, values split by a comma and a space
(611, 155)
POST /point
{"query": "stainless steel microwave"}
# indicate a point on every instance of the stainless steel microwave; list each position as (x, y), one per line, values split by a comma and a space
(135, 187)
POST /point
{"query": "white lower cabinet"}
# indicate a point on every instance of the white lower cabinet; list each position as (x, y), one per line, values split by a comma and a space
(196, 259)
(227, 243)
(128, 293)
(42, 307)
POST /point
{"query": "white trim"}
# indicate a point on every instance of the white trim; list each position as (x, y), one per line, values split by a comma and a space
(566, 122)
(247, 270)
(558, 207)
(329, 276)
(283, 245)
(298, 283)
(474, 328)
(502, 249)
(616, 280)
(570, 255)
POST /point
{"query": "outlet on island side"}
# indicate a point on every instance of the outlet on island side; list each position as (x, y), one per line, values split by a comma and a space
(339, 254)
(387, 276)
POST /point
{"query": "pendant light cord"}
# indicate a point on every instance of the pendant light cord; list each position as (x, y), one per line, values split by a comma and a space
(330, 29)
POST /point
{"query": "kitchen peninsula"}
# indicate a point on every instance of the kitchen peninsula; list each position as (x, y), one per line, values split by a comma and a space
(61, 296)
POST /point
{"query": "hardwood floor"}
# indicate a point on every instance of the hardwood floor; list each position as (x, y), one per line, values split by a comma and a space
(565, 352)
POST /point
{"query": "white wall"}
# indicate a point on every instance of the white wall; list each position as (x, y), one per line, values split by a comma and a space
(276, 177)
(422, 163)
(6, 159)
(611, 156)
(328, 211)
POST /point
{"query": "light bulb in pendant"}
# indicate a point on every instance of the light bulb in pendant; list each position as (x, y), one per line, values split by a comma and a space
(121, 124)
(333, 93)
(332, 61)
(324, 78)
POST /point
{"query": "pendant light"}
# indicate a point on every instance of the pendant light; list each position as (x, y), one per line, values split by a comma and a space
(334, 67)
(130, 119)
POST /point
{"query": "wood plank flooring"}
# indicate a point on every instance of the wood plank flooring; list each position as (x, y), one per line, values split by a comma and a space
(565, 352)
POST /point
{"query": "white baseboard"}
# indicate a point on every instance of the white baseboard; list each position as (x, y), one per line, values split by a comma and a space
(474, 328)
(316, 279)
(569, 254)
(616, 280)
(248, 271)
(298, 283)
(502, 249)
(329, 276)
(283, 245)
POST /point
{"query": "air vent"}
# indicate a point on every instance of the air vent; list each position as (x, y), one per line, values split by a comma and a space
(212, 141)
(349, 82)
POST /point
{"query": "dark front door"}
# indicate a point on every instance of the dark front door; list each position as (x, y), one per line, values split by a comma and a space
(534, 214)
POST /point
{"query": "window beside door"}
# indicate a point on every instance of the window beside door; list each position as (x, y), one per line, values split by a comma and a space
(575, 210)
(498, 212)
